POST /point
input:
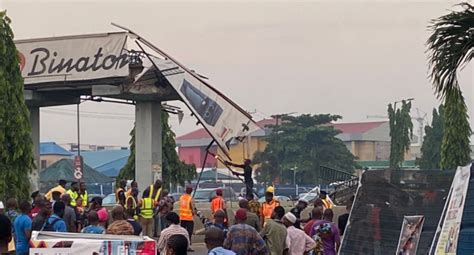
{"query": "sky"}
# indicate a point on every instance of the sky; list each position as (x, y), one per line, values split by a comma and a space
(349, 58)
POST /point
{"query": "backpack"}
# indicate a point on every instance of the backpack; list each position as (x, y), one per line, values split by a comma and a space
(50, 226)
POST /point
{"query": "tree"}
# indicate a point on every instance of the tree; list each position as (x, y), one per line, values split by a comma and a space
(450, 47)
(16, 146)
(304, 142)
(431, 147)
(401, 130)
(174, 170)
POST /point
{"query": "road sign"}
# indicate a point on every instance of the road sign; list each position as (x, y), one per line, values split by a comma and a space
(78, 167)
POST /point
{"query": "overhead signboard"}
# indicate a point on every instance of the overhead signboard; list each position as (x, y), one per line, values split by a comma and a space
(218, 114)
(73, 58)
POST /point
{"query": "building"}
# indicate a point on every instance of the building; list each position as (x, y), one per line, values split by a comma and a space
(192, 146)
(367, 141)
(50, 152)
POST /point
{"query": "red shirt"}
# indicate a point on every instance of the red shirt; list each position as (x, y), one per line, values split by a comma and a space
(34, 212)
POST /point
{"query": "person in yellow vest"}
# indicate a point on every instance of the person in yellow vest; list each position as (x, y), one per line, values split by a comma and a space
(131, 201)
(83, 194)
(187, 211)
(146, 205)
(268, 206)
(120, 193)
(61, 188)
(133, 185)
(155, 194)
(73, 193)
(327, 203)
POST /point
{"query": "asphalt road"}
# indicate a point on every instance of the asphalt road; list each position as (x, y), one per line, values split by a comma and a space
(199, 249)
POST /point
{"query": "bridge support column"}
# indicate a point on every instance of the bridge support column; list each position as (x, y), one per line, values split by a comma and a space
(35, 137)
(148, 143)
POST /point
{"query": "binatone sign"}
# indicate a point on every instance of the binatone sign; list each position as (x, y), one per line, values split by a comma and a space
(73, 58)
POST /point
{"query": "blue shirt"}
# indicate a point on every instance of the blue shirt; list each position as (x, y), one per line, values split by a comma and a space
(22, 224)
(91, 229)
(221, 251)
(59, 225)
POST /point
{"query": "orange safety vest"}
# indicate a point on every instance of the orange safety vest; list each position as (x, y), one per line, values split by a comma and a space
(267, 208)
(117, 195)
(217, 203)
(326, 203)
(185, 210)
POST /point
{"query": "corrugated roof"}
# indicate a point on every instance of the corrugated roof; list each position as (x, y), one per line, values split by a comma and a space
(97, 159)
(357, 127)
(112, 168)
(51, 148)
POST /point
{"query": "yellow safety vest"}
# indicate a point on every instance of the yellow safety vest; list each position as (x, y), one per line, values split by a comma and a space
(134, 203)
(147, 208)
(157, 193)
(85, 198)
(74, 195)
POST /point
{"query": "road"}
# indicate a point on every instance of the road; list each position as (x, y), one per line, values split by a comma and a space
(199, 249)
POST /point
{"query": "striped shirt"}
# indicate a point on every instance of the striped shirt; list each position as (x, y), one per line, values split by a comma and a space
(244, 239)
(167, 233)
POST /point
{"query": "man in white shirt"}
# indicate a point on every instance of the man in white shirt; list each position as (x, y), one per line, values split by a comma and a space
(173, 229)
(297, 240)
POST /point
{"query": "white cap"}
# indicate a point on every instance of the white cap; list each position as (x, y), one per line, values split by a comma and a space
(290, 217)
(1, 205)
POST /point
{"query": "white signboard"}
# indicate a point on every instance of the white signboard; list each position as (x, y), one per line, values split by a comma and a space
(217, 114)
(448, 239)
(73, 58)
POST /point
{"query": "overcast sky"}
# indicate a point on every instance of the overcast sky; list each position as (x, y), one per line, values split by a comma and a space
(343, 57)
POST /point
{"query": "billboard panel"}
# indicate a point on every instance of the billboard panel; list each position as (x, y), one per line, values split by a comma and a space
(73, 58)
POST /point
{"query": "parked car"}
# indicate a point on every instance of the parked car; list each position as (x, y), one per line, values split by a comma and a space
(206, 195)
(109, 200)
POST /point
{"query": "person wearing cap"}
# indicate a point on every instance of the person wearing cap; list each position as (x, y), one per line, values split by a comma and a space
(218, 203)
(298, 242)
(187, 212)
(327, 203)
(252, 218)
(244, 239)
(300, 206)
(329, 233)
(274, 233)
(73, 192)
(61, 188)
(268, 206)
(247, 167)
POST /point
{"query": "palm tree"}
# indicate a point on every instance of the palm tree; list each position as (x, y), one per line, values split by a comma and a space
(450, 47)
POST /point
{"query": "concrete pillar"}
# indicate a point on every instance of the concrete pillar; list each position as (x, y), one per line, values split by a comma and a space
(35, 136)
(148, 144)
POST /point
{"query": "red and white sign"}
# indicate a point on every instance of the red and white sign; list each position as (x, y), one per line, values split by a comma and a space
(78, 168)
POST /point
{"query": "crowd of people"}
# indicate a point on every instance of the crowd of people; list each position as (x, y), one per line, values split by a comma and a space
(257, 228)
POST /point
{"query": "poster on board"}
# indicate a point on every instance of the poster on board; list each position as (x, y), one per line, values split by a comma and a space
(448, 237)
(410, 234)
